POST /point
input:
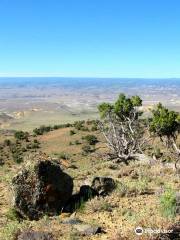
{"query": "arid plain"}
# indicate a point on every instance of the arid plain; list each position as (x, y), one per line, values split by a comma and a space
(26, 103)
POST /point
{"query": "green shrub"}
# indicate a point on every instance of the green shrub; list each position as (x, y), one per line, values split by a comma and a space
(29, 146)
(18, 142)
(85, 129)
(34, 145)
(20, 135)
(36, 141)
(12, 228)
(7, 142)
(77, 142)
(15, 148)
(72, 132)
(63, 156)
(168, 203)
(91, 139)
(23, 149)
(86, 149)
(17, 157)
(94, 128)
(79, 125)
(42, 129)
(12, 215)
(94, 125)
(66, 125)
(157, 153)
(89, 122)
(56, 127)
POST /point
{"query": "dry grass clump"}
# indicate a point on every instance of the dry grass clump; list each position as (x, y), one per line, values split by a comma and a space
(118, 236)
(100, 205)
(131, 188)
(11, 229)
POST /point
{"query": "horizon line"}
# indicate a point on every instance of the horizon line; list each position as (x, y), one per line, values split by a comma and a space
(90, 77)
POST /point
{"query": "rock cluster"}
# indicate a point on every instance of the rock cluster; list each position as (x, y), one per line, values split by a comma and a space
(44, 188)
(103, 185)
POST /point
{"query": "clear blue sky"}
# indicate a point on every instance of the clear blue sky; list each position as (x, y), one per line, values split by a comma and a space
(97, 38)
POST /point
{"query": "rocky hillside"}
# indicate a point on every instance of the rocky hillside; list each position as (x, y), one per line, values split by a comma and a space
(58, 183)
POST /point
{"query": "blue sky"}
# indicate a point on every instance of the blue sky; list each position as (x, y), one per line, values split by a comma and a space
(92, 38)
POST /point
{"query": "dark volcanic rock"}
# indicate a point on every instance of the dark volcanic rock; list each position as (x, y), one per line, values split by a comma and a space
(85, 193)
(103, 185)
(42, 189)
(173, 233)
(32, 235)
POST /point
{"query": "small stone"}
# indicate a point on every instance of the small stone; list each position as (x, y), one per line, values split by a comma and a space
(87, 230)
(33, 235)
(72, 221)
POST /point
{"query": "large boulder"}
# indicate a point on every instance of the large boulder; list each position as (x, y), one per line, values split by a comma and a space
(103, 185)
(41, 189)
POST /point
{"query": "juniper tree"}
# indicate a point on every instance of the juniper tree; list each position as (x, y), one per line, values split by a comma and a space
(166, 125)
(121, 126)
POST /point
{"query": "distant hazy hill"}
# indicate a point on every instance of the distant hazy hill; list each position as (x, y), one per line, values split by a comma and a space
(37, 101)
(5, 117)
